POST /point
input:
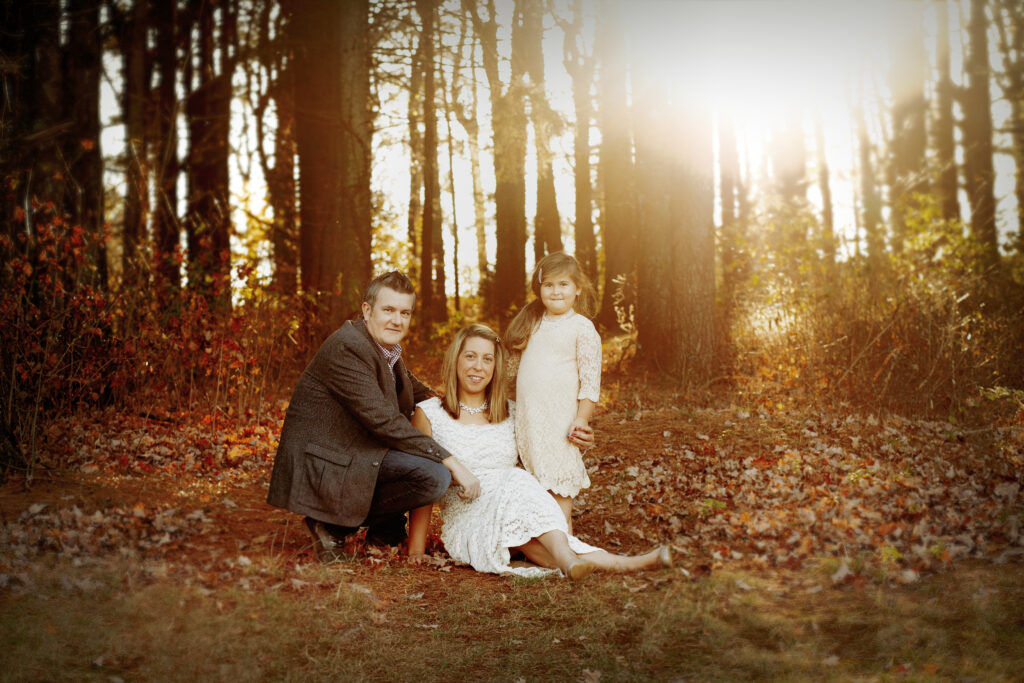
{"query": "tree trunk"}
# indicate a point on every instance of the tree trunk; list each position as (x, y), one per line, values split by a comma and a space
(732, 233)
(977, 107)
(432, 294)
(415, 116)
(616, 168)
(581, 70)
(909, 110)
(547, 236)
(83, 69)
(676, 275)
(947, 185)
(165, 223)
(508, 121)
(136, 92)
(1011, 47)
(871, 203)
(828, 237)
(467, 117)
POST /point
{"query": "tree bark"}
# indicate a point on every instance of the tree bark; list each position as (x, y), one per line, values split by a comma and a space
(547, 235)
(83, 69)
(136, 92)
(508, 121)
(580, 67)
(165, 223)
(1011, 46)
(431, 294)
(947, 184)
(979, 174)
(909, 110)
(616, 168)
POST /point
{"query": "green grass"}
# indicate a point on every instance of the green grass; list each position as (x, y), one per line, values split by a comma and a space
(351, 622)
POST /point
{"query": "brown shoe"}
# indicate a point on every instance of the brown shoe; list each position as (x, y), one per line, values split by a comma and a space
(324, 544)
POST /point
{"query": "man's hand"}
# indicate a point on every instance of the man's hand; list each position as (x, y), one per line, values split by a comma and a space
(463, 478)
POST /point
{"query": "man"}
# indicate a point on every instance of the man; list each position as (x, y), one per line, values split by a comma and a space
(348, 455)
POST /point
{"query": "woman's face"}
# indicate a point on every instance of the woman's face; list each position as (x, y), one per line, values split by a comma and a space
(476, 365)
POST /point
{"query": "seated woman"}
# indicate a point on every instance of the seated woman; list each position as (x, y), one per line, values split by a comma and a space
(513, 512)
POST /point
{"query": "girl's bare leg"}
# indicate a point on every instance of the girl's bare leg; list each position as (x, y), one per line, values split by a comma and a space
(551, 549)
(419, 526)
(565, 503)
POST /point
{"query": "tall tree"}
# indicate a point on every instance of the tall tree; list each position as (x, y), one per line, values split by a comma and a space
(947, 185)
(82, 69)
(909, 110)
(979, 173)
(432, 289)
(615, 165)
(467, 117)
(135, 74)
(1011, 80)
(675, 310)
(547, 235)
(333, 121)
(871, 202)
(508, 122)
(828, 236)
(209, 124)
(580, 66)
(166, 226)
(414, 115)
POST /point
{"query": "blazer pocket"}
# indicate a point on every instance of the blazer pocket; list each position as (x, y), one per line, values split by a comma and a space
(324, 474)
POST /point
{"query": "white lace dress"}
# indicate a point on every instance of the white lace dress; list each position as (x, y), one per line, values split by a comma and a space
(560, 365)
(512, 507)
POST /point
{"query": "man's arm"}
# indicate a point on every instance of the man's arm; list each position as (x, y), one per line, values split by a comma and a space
(352, 379)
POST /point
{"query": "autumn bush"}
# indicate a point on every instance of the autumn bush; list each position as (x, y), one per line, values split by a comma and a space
(924, 331)
(66, 343)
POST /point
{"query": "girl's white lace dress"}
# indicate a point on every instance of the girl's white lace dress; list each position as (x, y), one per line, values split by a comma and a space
(512, 508)
(560, 364)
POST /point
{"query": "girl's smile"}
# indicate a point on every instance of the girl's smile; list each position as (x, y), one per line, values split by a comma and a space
(558, 294)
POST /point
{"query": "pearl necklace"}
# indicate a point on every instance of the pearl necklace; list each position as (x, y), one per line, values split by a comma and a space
(473, 411)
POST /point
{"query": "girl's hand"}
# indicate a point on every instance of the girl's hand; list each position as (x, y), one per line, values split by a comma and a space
(581, 434)
(417, 558)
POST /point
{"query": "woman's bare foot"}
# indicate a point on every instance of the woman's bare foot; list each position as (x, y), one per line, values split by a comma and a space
(665, 556)
(578, 569)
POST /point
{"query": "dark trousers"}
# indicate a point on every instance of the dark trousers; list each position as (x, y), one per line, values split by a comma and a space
(404, 482)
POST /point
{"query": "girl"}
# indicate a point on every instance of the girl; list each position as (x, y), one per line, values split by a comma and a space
(559, 376)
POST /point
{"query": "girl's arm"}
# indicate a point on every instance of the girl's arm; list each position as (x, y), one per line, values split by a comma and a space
(580, 432)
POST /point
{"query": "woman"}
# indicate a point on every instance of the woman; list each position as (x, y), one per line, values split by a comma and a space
(513, 512)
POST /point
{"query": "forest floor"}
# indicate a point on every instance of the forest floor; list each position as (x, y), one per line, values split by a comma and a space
(806, 545)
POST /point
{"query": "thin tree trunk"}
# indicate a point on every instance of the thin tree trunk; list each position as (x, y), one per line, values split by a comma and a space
(581, 70)
(872, 203)
(136, 91)
(828, 237)
(83, 150)
(978, 166)
(1011, 47)
(166, 225)
(547, 236)
(415, 115)
(947, 185)
(616, 168)
(431, 257)
(909, 112)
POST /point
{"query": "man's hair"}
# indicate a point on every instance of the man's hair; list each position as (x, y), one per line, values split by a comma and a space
(395, 280)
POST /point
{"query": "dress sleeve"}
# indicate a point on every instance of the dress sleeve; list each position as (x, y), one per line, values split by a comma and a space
(588, 361)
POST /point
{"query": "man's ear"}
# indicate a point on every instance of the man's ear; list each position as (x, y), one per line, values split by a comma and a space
(366, 310)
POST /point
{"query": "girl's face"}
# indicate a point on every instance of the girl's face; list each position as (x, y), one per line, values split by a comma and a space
(476, 366)
(558, 293)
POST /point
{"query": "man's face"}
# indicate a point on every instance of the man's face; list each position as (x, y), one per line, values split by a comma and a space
(388, 320)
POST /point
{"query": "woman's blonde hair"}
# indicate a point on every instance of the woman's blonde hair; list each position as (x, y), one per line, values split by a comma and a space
(525, 322)
(496, 394)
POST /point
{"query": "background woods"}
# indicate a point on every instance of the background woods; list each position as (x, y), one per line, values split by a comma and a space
(195, 192)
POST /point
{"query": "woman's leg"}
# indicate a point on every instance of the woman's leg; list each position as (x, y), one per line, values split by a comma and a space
(551, 549)
(659, 557)
(419, 526)
(565, 503)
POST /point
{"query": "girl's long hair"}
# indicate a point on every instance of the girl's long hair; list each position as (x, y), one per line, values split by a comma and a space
(523, 325)
(496, 393)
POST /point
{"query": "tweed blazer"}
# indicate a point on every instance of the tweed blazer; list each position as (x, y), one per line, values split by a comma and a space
(345, 414)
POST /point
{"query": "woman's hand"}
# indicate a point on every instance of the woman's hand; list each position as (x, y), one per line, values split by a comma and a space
(464, 478)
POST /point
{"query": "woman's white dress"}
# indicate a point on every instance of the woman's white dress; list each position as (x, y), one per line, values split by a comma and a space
(560, 365)
(512, 508)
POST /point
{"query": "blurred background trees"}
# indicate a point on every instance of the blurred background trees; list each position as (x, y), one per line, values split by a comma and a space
(215, 181)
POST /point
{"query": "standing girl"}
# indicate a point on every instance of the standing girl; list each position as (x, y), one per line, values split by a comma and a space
(559, 376)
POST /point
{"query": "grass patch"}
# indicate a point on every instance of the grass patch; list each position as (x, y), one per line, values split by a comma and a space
(357, 623)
